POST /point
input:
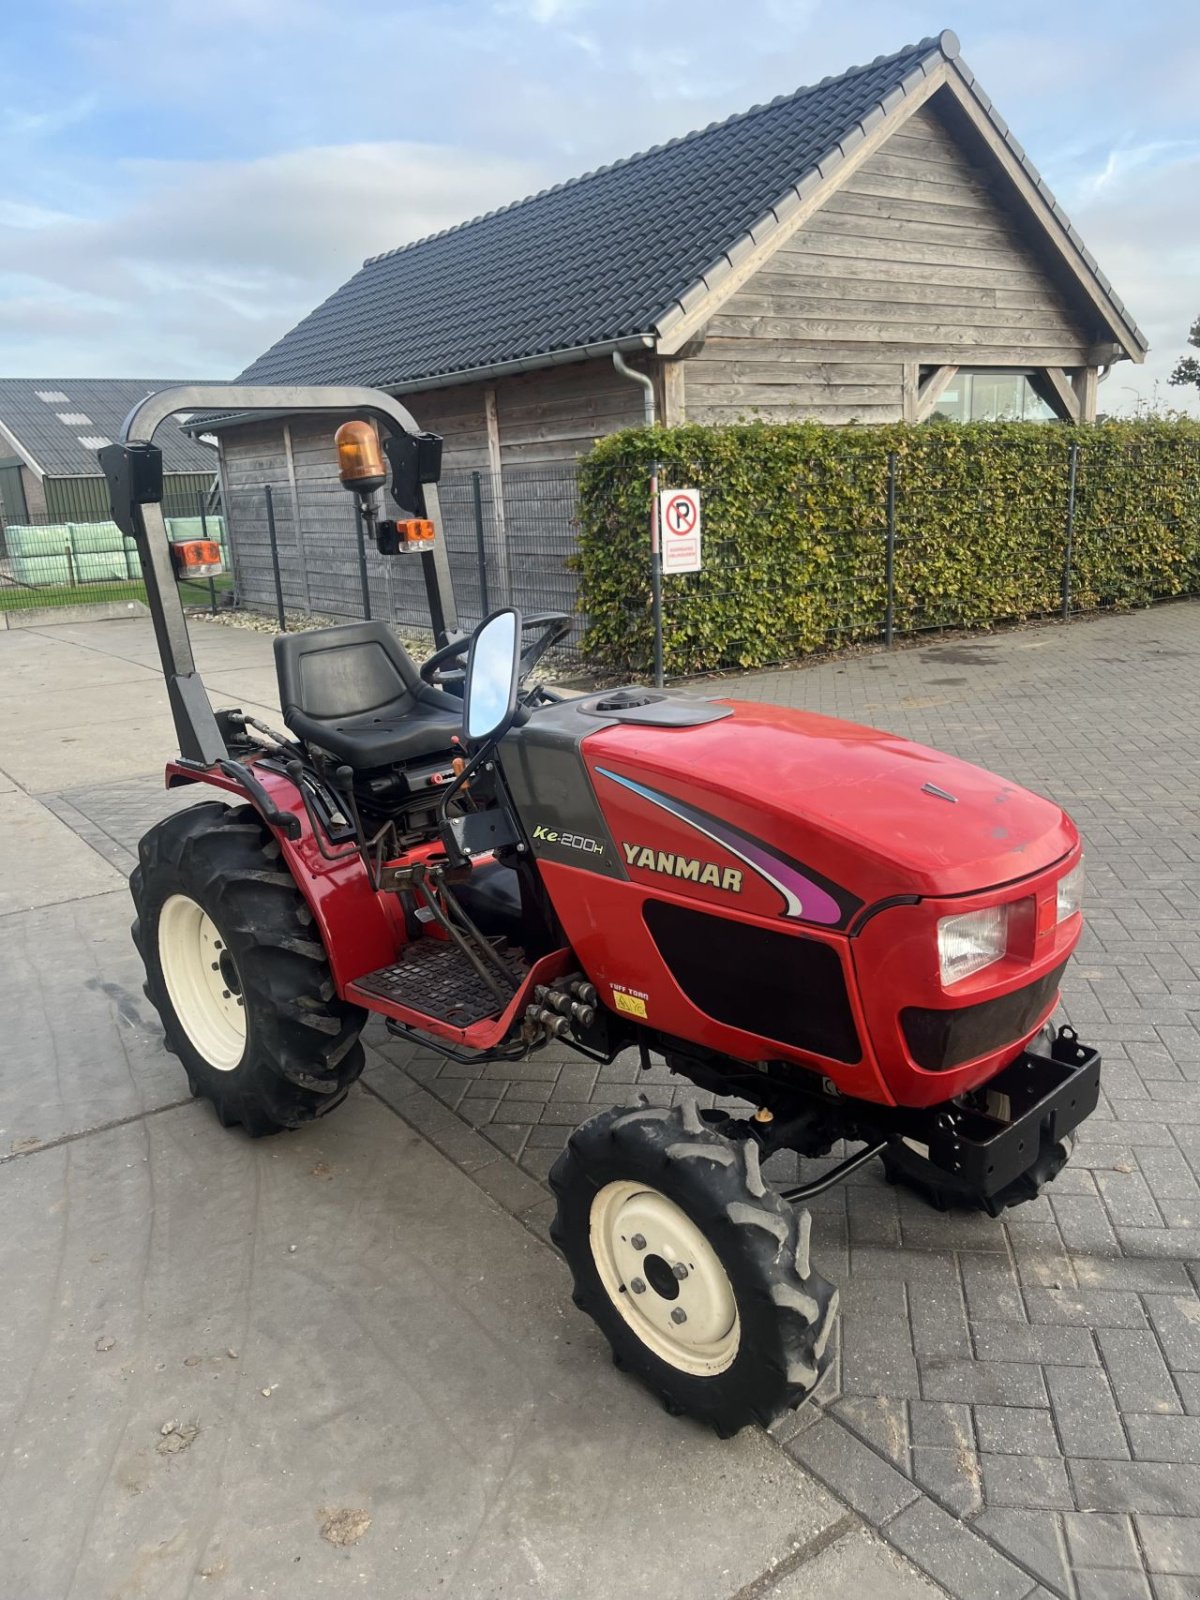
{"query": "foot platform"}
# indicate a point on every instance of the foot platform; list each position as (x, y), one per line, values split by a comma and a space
(435, 978)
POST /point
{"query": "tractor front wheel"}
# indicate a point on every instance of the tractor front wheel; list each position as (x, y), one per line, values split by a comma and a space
(238, 973)
(695, 1271)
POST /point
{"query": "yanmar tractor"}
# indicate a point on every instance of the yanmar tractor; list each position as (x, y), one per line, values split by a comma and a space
(857, 938)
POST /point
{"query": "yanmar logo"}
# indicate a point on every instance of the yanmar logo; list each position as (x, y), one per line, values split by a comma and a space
(686, 867)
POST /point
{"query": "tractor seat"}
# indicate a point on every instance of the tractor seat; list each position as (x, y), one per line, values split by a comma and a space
(355, 691)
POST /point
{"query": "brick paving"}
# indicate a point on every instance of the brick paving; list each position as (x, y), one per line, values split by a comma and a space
(1016, 1404)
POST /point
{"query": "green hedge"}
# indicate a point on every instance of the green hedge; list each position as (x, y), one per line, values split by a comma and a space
(795, 520)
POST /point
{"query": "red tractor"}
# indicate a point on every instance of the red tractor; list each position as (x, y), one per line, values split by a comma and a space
(858, 938)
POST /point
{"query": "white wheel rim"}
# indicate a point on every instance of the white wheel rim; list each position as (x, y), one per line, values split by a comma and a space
(202, 982)
(664, 1278)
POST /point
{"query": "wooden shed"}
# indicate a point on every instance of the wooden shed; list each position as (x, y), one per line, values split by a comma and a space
(874, 248)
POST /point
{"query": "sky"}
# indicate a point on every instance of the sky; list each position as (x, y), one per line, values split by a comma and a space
(186, 179)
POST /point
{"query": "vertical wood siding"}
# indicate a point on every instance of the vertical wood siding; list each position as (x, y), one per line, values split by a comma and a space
(912, 260)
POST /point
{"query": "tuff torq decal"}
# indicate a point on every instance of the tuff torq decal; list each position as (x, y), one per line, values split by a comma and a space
(804, 899)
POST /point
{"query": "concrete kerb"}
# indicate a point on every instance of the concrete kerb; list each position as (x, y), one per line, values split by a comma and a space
(92, 611)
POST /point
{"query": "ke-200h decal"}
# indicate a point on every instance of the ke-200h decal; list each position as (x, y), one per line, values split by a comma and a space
(804, 899)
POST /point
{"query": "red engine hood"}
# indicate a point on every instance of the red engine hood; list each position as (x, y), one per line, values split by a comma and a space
(866, 810)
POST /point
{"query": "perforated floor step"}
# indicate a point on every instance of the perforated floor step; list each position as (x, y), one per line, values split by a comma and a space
(435, 978)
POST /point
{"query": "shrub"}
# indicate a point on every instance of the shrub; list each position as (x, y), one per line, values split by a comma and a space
(795, 525)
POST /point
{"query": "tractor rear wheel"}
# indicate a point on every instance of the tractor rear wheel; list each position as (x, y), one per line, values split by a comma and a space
(695, 1271)
(238, 973)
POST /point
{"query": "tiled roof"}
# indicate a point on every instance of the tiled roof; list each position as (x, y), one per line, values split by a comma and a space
(592, 261)
(60, 423)
(615, 258)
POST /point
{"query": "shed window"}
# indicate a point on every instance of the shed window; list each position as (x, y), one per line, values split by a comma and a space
(992, 397)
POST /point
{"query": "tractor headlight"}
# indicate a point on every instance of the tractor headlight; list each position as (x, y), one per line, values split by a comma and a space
(1070, 892)
(971, 941)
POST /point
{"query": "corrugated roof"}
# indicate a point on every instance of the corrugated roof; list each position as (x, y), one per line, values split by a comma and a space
(592, 261)
(60, 423)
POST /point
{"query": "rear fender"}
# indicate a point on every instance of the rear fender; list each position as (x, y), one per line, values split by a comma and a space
(362, 930)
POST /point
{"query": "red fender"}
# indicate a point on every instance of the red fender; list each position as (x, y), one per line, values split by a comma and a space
(361, 929)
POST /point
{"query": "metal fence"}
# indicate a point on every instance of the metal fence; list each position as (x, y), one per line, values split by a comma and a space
(48, 564)
(299, 551)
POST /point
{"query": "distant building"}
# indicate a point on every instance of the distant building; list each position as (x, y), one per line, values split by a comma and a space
(50, 431)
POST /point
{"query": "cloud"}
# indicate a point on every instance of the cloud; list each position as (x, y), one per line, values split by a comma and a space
(215, 260)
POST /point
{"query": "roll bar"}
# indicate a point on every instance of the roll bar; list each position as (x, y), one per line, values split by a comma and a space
(133, 468)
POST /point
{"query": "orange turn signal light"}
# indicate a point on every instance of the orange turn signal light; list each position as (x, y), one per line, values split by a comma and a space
(197, 558)
(360, 459)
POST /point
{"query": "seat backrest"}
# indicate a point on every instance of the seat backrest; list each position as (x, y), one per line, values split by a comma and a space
(342, 672)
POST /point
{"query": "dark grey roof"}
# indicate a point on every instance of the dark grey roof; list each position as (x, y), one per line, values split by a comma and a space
(592, 261)
(60, 423)
(621, 255)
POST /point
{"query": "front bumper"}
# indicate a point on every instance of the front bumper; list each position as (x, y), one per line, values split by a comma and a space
(987, 1140)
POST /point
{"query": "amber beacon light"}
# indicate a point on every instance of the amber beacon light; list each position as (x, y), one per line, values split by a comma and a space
(360, 460)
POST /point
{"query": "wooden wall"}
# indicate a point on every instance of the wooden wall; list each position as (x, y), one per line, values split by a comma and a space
(522, 434)
(912, 260)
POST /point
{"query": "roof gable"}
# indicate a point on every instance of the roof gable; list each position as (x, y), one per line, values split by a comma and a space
(640, 252)
(58, 424)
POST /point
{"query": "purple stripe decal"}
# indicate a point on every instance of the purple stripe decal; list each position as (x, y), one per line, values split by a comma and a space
(804, 899)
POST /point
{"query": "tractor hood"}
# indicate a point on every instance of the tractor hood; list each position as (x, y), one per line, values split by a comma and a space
(829, 813)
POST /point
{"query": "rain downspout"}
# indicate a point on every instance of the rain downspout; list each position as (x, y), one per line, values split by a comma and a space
(647, 384)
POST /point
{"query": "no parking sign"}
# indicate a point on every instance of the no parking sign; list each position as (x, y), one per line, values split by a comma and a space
(679, 521)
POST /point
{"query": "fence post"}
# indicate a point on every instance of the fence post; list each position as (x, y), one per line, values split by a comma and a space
(275, 558)
(889, 619)
(70, 554)
(480, 548)
(1070, 540)
(362, 562)
(656, 576)
(212, 588)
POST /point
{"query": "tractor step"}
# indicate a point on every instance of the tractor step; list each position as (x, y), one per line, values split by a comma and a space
(435, 978)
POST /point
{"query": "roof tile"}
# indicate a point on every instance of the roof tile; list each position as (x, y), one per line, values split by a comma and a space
(469, 296)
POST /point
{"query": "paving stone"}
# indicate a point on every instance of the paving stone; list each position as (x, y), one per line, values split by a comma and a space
(1085, 1413)
(993, 1293)
(1176, 1320)
(877, 1356)
(936, 1422)
(852, 1470)
(1015, 1431)
(881, 1420)
(1165, 1439)
(956, 1557)
(1065, 1345)
(1033, 1482)
(1172, 1544)
(938, 1316)
(1150, 1486)
(952, 1477)
(1095, 1539)
(1188, 1385)
(1096, 1585)
(1085, 1308)
(982, 1383)
(1034, 1537)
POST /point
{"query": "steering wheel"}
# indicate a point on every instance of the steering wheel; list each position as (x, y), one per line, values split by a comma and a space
(439, 671)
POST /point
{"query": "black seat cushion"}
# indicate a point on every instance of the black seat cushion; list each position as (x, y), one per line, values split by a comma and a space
(355, 691)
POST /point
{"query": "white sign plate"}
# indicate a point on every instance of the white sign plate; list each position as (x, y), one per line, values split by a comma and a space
(679, 525)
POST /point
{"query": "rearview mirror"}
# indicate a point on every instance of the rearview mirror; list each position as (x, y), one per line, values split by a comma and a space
(493, 671)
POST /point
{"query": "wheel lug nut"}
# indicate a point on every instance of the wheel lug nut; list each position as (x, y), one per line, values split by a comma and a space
(225, 994)
(638, 1242)
(638, 1286)
(216, 966)
(679, 1315)
(679, 1271)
